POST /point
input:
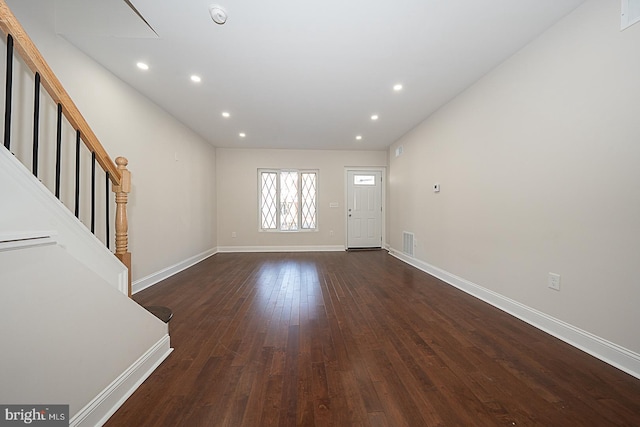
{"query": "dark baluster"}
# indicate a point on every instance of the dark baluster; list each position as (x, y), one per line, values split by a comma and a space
(7, 100)
(36, 124)
(93, 192)
(106, 190)
(77, 174)
(58, 150)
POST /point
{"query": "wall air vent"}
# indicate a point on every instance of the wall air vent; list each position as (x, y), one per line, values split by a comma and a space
(407, 243)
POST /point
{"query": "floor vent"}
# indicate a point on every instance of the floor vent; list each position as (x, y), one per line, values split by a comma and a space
(407, 243)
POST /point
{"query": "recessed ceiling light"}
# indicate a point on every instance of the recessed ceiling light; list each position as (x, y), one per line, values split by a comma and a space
(196, 79)
(142, 66)
(374, 117)
(359, 137)
(242, 134)
(397, 87)
(226, 114)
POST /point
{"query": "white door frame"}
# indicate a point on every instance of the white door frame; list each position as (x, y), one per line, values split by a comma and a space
(383, 201)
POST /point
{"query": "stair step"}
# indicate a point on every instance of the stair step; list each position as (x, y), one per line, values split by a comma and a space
(163, 313)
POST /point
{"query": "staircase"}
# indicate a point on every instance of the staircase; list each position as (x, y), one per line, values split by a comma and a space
(70, 333)
(64, 164)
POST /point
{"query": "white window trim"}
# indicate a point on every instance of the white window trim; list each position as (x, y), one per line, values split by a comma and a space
(300, 172)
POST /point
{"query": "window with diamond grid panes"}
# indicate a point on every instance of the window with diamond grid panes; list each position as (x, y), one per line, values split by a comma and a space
(308, 198)
(268, 200)
(288, 199)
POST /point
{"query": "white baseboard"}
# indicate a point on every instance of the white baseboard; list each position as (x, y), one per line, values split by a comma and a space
(103, 406)
(165, 273)
(322, 248)
(611, 353)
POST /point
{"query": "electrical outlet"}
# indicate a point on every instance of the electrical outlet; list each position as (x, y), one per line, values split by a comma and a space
(233, 234)
(554, 281)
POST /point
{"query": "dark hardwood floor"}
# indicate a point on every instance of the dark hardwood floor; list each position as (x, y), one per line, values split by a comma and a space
(358, 339)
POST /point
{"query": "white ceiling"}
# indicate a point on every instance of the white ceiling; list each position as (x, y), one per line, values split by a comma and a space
(304, 74)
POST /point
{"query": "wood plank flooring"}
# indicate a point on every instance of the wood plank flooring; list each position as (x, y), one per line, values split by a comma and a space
(359, 339)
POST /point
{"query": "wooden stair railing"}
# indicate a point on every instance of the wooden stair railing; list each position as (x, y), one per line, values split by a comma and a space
(117, 173)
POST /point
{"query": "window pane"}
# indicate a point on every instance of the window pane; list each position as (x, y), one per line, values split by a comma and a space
(268, 200)
(308, 194)
(364, 179)
(288, 200)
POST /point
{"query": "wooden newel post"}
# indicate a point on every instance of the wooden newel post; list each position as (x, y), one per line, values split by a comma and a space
(122, 226)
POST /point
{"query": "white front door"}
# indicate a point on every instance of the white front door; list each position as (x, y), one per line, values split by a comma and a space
(364, 209)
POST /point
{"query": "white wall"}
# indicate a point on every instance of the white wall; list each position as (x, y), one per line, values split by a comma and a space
(68, 337)
(539, 170)
(238, 195)
(172, 211)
